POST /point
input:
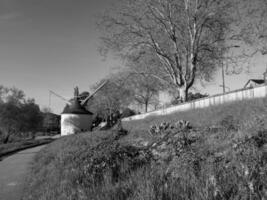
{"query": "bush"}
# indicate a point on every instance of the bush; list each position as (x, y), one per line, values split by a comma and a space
(127, 112)
(229, 123)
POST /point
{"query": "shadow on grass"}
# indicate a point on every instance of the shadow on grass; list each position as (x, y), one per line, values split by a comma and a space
(9, 149)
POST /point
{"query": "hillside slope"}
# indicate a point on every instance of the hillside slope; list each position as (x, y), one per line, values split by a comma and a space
(221, 155)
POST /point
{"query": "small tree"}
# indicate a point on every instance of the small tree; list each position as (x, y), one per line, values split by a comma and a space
(145, 91)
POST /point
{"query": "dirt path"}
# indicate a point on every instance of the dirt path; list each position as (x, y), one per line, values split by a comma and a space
(13, 171)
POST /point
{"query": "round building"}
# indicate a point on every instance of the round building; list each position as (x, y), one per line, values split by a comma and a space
(75, 119)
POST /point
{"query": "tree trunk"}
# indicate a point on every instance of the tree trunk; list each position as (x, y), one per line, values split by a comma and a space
(6, 138)
(146, 106)
(183, 94)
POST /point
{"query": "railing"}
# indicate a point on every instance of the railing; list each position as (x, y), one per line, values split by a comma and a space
(236, 95)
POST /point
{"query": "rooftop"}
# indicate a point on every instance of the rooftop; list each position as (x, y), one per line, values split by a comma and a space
(76, 108)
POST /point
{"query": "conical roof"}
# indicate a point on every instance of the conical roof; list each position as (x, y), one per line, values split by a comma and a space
(75, 108)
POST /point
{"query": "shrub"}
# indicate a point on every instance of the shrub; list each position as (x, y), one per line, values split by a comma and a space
(127, 112)
(229, 123)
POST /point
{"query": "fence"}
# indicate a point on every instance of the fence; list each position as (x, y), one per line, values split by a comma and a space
(237, 95)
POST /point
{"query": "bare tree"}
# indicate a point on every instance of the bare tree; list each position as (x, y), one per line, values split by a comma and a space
(185, 36)
(111, 98)
(145, 89)
(144, 79)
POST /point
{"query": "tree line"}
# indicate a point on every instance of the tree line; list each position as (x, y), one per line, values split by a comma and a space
(19, 117)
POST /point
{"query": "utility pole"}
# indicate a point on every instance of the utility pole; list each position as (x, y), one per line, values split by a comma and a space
(223, 80)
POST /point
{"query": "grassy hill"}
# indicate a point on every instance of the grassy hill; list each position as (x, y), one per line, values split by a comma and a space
(223, 155)
(246, 113)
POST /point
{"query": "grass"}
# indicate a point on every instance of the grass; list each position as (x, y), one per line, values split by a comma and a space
(246, 116)
(10, 148)
(227, 160)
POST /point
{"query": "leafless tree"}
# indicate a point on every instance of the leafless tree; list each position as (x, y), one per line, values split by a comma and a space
(145, 90)
(187, 37)
(144, 79)
(111, 98)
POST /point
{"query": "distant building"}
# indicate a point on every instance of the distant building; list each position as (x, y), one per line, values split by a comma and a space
(51, 122)
(257, 82)
(254, 83)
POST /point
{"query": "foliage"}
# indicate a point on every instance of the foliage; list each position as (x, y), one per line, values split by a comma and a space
(229, 123)
(51, 122)
(191, 97)
(194, 96)
(18, 116)
(11, 95)
(127, 112)
(46, 109)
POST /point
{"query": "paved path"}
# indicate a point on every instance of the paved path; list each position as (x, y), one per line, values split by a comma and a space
(13, 171)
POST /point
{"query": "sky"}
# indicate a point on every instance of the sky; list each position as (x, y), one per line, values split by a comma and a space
(53, 45)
